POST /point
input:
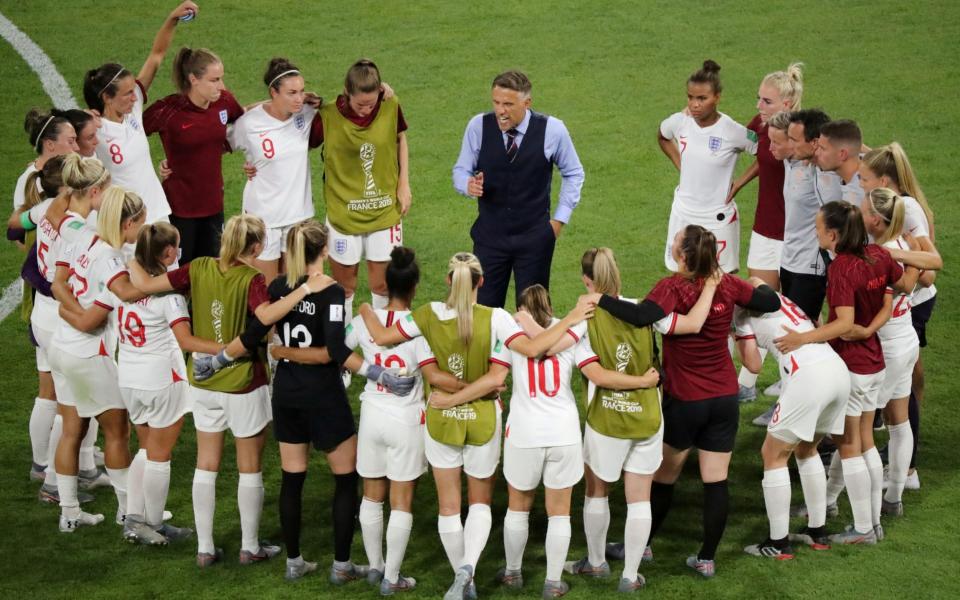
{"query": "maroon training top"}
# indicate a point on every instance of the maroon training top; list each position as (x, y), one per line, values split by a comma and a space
(194, 139)
(862, 285)
(769, 218)
(697, 367)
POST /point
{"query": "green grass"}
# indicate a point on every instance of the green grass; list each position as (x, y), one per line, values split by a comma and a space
(611, 71)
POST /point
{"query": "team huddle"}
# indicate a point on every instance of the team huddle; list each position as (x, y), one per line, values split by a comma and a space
(145, 305)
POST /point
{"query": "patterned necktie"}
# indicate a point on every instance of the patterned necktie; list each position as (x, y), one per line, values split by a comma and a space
(511, 144)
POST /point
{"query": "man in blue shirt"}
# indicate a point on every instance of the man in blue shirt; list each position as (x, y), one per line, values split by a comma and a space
(506, 163)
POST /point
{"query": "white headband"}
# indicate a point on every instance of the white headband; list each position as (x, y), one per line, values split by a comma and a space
(290, 72)
(111, 81)
(42, 129)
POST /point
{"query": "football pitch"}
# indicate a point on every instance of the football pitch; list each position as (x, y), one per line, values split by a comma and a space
(611, 71)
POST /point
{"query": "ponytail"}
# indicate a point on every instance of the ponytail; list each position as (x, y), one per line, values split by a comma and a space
(189, 61)
(789, 84)
(305, 243)
(698, 248)
(240, 235)
(152, 242)
(117, 208)
(42, 126)
(887, 205)
(536, 301)
(847, 220)
(891, 161)
(101, 82)
(599, 265)
(49, 180)
(81, 174)
(464, 271)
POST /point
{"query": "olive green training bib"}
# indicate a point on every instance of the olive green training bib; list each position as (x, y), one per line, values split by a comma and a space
(220, 314)
(360, 170)
(473, 423)
(625, 414)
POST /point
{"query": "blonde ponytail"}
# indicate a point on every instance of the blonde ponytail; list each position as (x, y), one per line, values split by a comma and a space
(81, 174)
(600, 266)
(464, 271)
(891, 161)
(117, 207)
(240, 234)
(887, 205)
(305, 243)
(788, 83)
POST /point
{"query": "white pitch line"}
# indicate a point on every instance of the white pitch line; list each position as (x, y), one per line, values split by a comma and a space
(58, 90)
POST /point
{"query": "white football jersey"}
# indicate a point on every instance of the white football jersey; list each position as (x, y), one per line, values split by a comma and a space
(149, 356)
(767, 327)
(280, 193)
(543, 410)
(708, 156)
(93, 265)
(45, 309)
(19, 190)
(409, 356)
(915, 223)
(801, 250)
(897, 336)
(125, 152)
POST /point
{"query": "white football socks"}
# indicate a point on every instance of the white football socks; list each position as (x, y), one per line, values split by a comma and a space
(398, 534)
(776, 497)
(858, 490)
(814, 483)
(204, 505)
(875, 468)
(379, 301)
(476, 530)
(835, 479)
(50, 479)
(900, 448)
(748, 379)
(86, 447)
(41, 422)
(371, 530)
(118, 479)
(135, 502)
(67, 486)
(250, 503)
(557, 545)
(516, 530)
(451, 536)
(596, 521)
(156, 486)
(636, 534)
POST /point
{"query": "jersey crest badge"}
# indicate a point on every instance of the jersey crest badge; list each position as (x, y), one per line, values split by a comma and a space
(715, 143)
(134, 124)
(299, 122)
(223, 117)
(340, 246)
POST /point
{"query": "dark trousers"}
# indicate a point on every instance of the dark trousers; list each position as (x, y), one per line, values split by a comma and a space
(528, 255)
(199, 236)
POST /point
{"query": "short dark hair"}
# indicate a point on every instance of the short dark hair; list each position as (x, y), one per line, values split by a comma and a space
(513, 80)
(812, 119)
(844, 132)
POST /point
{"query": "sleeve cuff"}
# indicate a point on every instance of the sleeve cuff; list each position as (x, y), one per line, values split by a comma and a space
(513, 337)
(586, 362)
(402, 332)
(499, 362)
(102, 305)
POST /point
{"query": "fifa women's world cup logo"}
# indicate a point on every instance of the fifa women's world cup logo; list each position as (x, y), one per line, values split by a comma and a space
(368, 152)
(455, 365)
(624, 354)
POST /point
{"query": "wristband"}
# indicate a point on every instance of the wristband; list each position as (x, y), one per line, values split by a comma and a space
(25, 221)
(306, 289)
